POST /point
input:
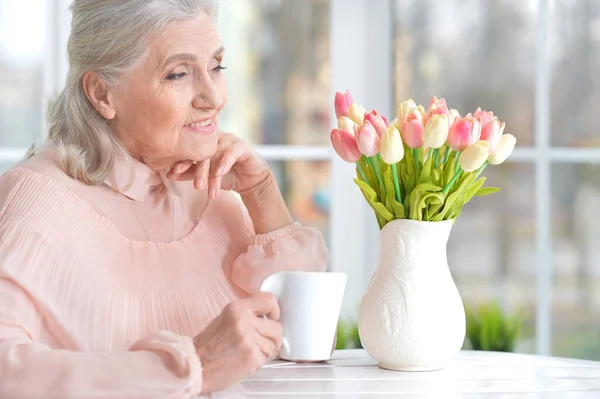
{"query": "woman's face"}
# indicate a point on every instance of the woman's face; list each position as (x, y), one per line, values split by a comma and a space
(167, 108)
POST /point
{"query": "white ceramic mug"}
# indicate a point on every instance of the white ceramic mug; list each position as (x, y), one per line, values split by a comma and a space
(310, 304)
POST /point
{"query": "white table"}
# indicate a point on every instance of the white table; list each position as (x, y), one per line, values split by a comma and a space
(352, 374)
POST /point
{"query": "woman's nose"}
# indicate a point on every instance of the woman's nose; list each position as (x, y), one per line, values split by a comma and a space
(207, 95)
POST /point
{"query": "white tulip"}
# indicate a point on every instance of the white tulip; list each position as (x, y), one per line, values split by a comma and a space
(474, 156)
(505, 147)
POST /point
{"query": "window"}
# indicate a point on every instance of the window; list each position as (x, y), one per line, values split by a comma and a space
(492, 247)
(278, 76)
(22, 52)
(277, 54)
(535, 64)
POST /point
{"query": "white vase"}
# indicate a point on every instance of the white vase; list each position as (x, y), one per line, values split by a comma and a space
(412, 317)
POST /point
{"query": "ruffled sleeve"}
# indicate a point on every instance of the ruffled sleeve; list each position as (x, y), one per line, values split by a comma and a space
(163, 364)
(293, 247)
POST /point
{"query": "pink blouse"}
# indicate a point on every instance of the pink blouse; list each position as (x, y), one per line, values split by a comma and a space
(103, 287)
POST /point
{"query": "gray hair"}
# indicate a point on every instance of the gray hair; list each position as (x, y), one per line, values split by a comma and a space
(109, 37)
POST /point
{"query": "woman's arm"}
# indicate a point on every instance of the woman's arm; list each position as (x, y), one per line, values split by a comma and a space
(266, 207)
(162, 365)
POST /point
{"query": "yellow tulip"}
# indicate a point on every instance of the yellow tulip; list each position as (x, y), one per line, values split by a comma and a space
(474, 156)
(347, 124)
(357, 113)
(391, 147)
(436, 131)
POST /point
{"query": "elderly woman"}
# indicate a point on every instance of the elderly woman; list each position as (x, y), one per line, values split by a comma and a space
(134, 240)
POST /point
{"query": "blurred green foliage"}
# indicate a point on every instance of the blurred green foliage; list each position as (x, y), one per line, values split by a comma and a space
(490, 329)
(347, 335)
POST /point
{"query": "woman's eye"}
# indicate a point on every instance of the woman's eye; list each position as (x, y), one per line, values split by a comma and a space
(219, 68)
(175, 76)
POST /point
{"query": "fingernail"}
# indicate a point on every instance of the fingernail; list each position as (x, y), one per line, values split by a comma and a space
(178, 169)
(213, 193)
(220, 171)
(202, 183)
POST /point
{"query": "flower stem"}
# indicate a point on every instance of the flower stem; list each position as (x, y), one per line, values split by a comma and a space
(446, 154)
(478, 172)
(396, 184)
(375, 165)
(361, 171)
(437, 157)
(457, 166)
(451, 182)
(415, 153)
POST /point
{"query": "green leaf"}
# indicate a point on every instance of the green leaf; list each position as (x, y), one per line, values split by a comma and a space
(455, 198)
(466, 195)
(448, 172)
(391, 203)
(486, 191)
(433, 209)
(422, 187)
(427, 200)
(417, 199)
(371, 198)
(409, 161)
(436, 176)
(426, 172)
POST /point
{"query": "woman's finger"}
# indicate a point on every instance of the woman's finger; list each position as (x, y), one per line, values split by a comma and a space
(230, 156)
(184, 176)
(225, 159)
(201, 175)
(182, 166)
(272, 331)
(268, 348)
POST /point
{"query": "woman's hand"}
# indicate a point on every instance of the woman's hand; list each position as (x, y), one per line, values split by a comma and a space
(239, 341)
(235, 166)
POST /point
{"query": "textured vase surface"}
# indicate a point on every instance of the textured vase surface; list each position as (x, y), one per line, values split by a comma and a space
(412, 317)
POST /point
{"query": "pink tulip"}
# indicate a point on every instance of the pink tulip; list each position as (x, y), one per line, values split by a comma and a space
(377, 121)
(368, 140)
(436, 107)
(412, 129)
(491, 131)
(482, 116)
(342, 104)
(463, 133)
(344, 144)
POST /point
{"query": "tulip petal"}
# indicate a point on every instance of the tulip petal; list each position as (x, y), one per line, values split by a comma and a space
(436, 131)
(342, 104)
(368, 140)
(345, 145)
(391, 147)
(474, 156)
(505, 147)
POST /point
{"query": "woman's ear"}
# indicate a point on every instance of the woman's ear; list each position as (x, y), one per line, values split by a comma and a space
(99, 95)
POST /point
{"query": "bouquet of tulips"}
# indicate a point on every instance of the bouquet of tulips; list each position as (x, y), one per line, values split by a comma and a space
(426, 164)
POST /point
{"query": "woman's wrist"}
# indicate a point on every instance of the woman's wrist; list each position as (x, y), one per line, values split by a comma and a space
(266, 206)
